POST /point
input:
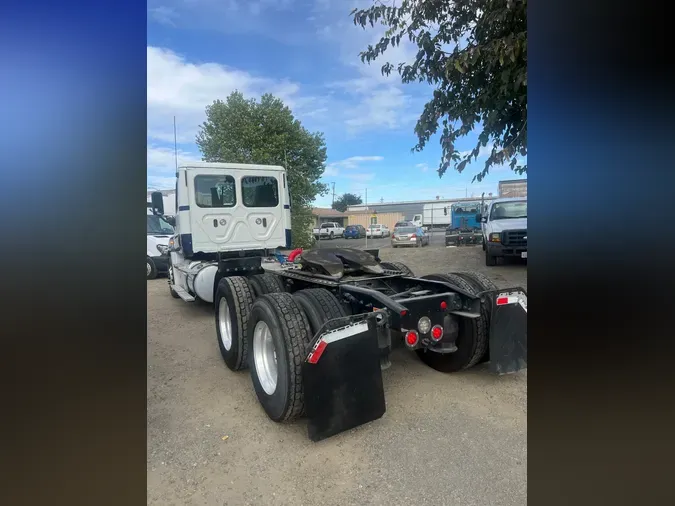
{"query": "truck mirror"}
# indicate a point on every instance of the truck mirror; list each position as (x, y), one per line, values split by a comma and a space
(478, 217)
(157, 203)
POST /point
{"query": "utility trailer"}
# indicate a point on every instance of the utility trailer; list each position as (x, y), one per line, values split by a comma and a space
(316, 329)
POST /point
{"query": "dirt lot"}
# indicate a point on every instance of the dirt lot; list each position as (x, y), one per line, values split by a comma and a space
(458, 439)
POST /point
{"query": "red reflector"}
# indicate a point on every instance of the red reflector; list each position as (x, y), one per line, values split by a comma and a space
(502, 300)
(315, 355)
(411, 338)
(444, 305)
(437, 332)
(404, 312)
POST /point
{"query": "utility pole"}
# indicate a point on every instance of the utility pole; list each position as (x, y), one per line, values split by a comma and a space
(333, 183)
(175, 146)
(367, 218)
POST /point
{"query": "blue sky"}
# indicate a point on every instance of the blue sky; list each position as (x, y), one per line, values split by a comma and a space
(305, 52)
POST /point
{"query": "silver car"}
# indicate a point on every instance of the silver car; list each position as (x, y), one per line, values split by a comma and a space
(409, 236)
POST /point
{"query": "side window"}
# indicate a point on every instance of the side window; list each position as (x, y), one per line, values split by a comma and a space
(373, 220)
(257, 191)
(215, 191)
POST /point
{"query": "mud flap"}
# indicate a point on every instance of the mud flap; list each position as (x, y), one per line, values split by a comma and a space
(508, 331)
(342, 380)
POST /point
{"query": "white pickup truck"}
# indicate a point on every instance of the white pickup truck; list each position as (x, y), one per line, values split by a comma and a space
(329, 230)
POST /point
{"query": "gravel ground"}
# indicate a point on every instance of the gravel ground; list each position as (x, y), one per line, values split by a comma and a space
(457, 439)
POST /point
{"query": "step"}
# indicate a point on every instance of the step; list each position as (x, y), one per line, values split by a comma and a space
(183, 294)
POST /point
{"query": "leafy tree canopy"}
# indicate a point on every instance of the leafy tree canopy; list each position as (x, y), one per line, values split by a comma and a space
(474, 52)
(344, 201)
(265, 132)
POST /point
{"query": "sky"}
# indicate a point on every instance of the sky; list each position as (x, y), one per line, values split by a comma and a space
(305, 52)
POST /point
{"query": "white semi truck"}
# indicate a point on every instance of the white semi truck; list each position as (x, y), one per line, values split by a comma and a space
(316, 327)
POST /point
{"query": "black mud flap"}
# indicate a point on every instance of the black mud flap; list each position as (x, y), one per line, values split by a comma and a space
(342, 380)
(508, 331)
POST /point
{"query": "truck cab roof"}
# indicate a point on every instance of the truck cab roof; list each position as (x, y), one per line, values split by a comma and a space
(212, 165)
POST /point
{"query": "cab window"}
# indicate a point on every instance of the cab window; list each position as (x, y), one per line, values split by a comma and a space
(215, 191)
(257, 191)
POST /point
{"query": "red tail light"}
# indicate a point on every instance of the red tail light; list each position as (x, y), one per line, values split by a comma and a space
(444, 305)
(411, 338)
(414, 236)
(436, 332)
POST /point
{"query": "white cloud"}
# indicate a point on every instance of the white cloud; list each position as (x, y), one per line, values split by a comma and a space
(183, 89)
(163, 159)
(378, 101)
(163, 15)
(351, 163)
(423, 167)
(483, 152)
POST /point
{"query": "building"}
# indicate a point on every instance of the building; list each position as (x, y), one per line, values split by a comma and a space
(513, 188)
(372, 216)
(324, 215)
(404, 210)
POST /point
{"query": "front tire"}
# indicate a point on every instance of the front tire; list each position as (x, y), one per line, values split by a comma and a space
(490, 260)
(151, 269)
(233, 303)
(278, 337)
(171, 282)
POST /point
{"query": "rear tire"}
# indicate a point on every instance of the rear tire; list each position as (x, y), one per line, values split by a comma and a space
(233, 302)
(331, 236)
(262, 284)
(278, 320)
(319, 306)
(481, 283)
(398, 266)
(471, 342)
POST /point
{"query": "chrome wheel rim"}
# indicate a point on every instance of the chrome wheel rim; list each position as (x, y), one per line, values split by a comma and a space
(225, 324)
(148, 268)
(265, 357)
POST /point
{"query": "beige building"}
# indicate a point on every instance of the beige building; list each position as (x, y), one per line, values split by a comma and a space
(324, 215)
(371, 217)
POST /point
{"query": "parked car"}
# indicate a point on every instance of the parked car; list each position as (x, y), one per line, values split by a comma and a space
(355, 232)
(409, 236)
(400, 224)
(329, 230)
(378, 230)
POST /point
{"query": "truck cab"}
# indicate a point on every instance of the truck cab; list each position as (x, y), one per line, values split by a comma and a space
(504, 229)
(225, 211)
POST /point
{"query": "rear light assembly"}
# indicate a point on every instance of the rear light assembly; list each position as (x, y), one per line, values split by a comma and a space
(414, 236)
(412, 338)
(436, 333)
(424, 325)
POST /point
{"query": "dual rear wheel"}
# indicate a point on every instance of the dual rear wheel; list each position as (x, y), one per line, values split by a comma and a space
(271, 333)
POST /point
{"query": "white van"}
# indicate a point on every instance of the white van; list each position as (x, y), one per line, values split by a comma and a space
(159, 233)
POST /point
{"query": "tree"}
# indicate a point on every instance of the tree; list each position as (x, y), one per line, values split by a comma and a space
(346, 200)
(265, 132)
(474, 52)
